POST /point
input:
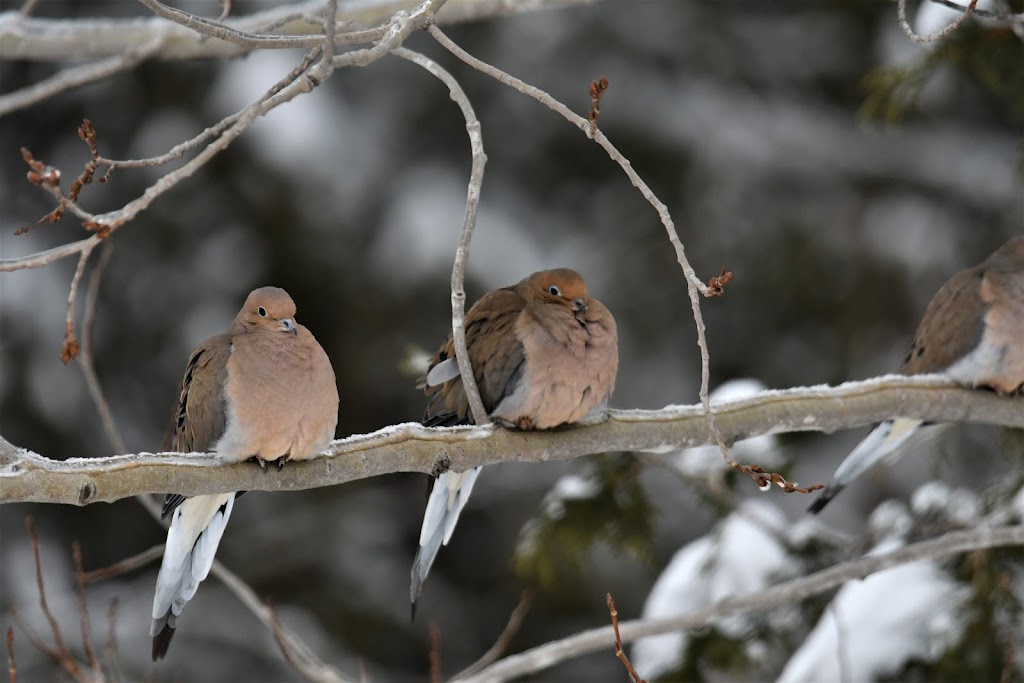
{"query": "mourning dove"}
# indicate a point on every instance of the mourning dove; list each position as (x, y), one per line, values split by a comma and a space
(543, 353)
(266, 391)
(972, 332)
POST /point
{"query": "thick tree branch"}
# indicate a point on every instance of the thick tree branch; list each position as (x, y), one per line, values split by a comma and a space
(29, 477)
(549, 654)
(23, 37)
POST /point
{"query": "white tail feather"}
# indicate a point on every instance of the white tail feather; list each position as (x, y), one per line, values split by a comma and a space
(882, 442)
(448, 497)
(197, 526)
(444, 371)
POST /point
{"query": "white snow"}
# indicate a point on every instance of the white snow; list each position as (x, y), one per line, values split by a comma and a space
(937, 498)
(907, 612)
(570, 487)
(742, 555)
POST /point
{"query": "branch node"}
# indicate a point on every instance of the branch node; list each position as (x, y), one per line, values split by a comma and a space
(716, 285)
(597, 89)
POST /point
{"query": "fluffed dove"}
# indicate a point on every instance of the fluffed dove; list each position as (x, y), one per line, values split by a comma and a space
(544, 354)
(263, 391)
(973, 332)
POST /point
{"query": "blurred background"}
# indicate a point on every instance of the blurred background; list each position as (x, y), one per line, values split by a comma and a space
(840, 171)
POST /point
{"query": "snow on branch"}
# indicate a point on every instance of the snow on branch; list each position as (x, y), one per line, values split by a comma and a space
(25, 37)
(29, 477)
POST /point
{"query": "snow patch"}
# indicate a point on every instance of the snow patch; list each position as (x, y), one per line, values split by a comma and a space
(884, 621)
(741, 556)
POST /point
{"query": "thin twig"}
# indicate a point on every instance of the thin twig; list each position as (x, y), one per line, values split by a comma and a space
(435, 653)
(225, 9)
(27, 7)
(515, 621)
(901, 12)
(86, 358)
(75, 77)
(69, 349)
(179, 150)
(476, 176)
(400, 27)
(83, 608)
(12, 667)
(330, 29)
(787, 593)
(49, 256)
(111, 651)
(124, 566)
(614, 613)
(67, 661)
(34, 638)
(987, 13)
(295, 652)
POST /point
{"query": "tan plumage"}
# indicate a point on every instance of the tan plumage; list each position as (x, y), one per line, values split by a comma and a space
(973, 331)
(544, 353)
(265, 390)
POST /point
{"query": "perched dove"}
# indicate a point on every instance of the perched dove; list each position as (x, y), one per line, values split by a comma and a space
(973, 332)
(266, 391)
(543, 354)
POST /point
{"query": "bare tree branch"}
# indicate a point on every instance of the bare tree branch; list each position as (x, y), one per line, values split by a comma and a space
(83, 608)
(86, 358)
(793, 591)
(614, 614)
(28, 477)
(62, 654)
(112, 657)
(901, 12)
(988, 14)
(44, 258)
(75, 77)
(12, 667)
(24, 37)
(515, 621)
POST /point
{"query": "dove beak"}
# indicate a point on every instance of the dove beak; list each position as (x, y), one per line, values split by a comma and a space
(289, 325)
(579, 306)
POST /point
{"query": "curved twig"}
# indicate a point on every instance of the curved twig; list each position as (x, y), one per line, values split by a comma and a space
(476, 177)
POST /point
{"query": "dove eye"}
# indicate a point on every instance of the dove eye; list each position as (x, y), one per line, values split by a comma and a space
(262, 311)
(554, 290)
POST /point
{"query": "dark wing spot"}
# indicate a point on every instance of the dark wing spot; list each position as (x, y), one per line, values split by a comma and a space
(171, 501)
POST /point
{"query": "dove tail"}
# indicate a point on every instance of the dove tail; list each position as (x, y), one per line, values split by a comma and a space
(883, 441)
(448, 497)
(195, 532)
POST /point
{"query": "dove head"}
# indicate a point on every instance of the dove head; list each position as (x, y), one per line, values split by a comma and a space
(562, 286)
(269, 309)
